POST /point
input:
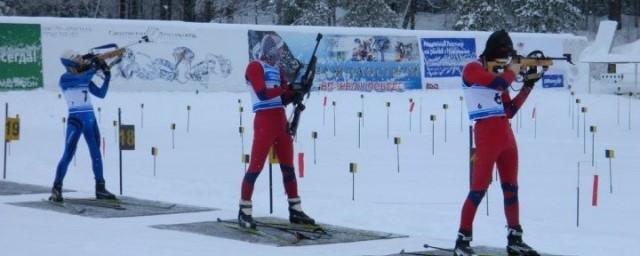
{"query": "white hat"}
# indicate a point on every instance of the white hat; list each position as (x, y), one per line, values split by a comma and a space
(68, 58)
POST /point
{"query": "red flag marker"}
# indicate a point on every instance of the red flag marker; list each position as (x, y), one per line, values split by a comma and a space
(301, 165)
(324, 103)
(411, 105)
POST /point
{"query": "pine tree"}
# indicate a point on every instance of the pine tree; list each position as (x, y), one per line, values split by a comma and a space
(480, 15)
(547, 16)
(314, 13)
(371, 13)
(5, 10)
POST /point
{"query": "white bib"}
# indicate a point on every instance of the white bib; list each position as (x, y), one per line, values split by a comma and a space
(78, 99)
(483, 102)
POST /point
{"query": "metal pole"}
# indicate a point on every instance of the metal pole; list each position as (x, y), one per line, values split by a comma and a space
(270, 187)
(593, 146)
(535, 127)
(353, 186)
(610, 178)
(362, 108)
(387, 122)
(584, 132)
(433, 138)
(120, 148)
(359, 123)
(188, 119)
(334, 119)
(578, 198)
(154, 166)
(314, 151)
(445, 125)
(630, 97)
(398, 156)
(618, 100)
(6, 115)
(636, 76)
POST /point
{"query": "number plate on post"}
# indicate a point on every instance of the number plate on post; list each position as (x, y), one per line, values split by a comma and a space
(12, 129)
(127, 137)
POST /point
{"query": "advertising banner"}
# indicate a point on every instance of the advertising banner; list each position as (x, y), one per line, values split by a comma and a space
(20, 57)
(553, 81)
(350, 62)
(177, 58)
(445, 57)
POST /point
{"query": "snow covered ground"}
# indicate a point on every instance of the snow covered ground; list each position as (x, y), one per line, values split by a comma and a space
(422, 201)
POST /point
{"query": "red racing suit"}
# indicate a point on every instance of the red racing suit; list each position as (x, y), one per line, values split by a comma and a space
(489, 104)
(269, 93)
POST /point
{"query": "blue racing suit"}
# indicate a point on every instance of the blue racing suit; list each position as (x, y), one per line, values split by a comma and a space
(76, 88)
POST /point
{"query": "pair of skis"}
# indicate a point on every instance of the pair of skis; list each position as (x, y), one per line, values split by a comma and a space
(79, 205)
(437, 251)
(299, 232)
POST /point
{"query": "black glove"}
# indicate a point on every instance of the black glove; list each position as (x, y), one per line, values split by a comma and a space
(531, 77)
(297, 96)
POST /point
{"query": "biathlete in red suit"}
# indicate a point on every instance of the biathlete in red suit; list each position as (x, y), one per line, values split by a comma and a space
(270, 93)
(489, 104)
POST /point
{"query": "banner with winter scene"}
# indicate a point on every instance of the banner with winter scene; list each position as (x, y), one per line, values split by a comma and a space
(20, 57)
(178, 58)
(367, 63)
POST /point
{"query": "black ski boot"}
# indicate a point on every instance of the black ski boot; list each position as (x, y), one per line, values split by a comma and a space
(296, 215)
(102, 193)
(463, 244)
(517, 247)
(244, 215)
(56, 193)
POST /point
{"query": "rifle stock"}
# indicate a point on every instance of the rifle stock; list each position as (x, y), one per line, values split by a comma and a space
(534, 59)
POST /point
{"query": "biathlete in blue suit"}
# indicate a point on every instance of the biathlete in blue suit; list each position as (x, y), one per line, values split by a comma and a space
(76, 86)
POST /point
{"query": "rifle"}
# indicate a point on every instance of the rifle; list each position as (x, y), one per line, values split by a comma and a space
(304, 87)
(92, 58)
(534, 59)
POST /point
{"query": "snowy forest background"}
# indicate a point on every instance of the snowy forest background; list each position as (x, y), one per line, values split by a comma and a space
(575, 16)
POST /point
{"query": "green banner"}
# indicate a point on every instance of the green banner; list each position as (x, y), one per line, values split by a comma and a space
(20, 57)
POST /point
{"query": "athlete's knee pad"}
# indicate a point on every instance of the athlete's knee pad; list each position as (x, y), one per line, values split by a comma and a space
(475, 196)
(510, 192)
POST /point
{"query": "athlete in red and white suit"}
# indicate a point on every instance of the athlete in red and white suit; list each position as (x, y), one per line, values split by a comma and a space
(491, 106)
(270, 93)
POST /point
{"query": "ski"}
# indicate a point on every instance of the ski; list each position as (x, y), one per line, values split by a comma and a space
(450, 250)
(96, 203)
(120, 202)
(234, 225)
(309, 228)
(403, 252)
(300, 232)
(75, 210)
(428, 246)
